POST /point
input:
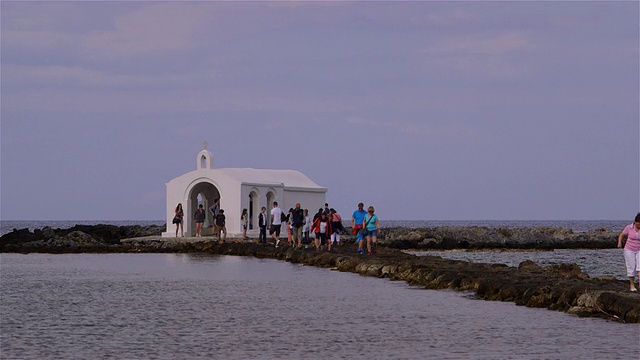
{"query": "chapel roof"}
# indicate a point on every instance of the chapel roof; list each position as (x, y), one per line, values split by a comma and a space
(290, 178)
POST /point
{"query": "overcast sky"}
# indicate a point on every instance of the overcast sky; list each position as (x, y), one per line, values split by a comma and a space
(426, 110)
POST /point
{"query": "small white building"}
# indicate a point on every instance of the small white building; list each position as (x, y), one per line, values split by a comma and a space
(237, 189)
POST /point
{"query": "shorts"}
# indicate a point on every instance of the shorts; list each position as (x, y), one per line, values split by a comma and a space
(335, 226)
(274, 229)
(632, 262)
(244, 227)
(199, 222)
(373, 233)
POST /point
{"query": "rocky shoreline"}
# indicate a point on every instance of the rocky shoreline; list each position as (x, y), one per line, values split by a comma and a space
(481, 238)
(559, 287)
(436, 238)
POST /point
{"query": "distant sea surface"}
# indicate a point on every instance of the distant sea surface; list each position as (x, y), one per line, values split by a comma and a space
(575, 225)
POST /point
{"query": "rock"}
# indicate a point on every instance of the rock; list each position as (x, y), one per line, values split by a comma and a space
(528, 264)
(18, 236)
(588, 299)
(80, 238)
(606, 278)
(414, 235)
(95, 234)
(48, 233)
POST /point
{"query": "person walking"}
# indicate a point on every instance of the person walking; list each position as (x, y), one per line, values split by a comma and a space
(244, 220)
(276, 223)
(322, 229)
(297, 222)
(336, 226)
(287, 222)
(199, 217)
(631, 250)
(357, 219)
(317, 215)
(262, 224)
(372, 225)
(178, 219)
(214, 210)
(306, 228)
(221, 225)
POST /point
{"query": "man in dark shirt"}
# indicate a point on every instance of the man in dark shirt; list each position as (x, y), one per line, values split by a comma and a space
(220, 225)
(297, 221)
(262, 223)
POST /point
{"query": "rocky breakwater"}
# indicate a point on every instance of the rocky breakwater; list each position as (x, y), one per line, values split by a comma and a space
(474, 237)
(80, 238)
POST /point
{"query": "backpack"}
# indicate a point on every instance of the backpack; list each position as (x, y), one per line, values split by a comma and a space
(283, 217)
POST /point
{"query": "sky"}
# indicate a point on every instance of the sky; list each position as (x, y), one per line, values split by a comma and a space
(427, 110)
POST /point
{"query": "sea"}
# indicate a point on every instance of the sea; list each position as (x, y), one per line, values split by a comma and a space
(190, 306)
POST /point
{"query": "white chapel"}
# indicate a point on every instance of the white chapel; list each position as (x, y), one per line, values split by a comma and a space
(237, 189)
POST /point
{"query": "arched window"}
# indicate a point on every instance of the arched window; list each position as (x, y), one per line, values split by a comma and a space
(203, 162)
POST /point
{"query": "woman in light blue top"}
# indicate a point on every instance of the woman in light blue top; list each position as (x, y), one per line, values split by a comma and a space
(373, 225)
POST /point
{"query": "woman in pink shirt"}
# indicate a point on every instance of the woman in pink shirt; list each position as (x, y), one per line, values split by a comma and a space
(632, 250)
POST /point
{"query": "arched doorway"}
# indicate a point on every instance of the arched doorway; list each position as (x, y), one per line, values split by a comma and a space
(203, 193)
(254, 209)
(271, 197)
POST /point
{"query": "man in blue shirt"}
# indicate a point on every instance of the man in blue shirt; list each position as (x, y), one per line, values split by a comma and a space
(357, 220)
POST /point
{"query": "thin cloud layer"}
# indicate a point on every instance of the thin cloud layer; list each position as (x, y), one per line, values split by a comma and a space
(428, 110)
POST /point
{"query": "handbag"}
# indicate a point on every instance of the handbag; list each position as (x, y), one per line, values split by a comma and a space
(364, 232)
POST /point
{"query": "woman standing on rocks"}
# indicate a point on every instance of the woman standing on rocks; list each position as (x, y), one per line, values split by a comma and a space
(372, 225)
(244, 219)
(199, 216)
(177, 219)
(632, 250)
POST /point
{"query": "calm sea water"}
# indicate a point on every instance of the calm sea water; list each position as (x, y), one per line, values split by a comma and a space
(179, 306)
(575, 225)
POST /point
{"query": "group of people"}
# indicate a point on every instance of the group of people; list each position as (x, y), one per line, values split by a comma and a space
(326, 225)
(217, 214)
(365, 225)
